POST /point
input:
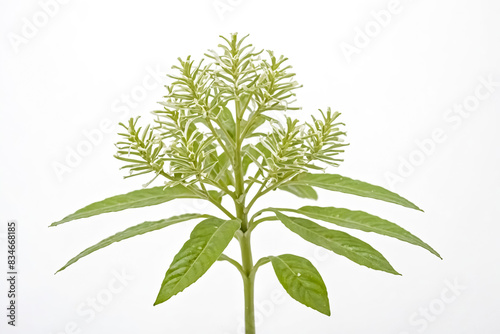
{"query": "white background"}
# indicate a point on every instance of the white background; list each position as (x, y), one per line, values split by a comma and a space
(405, 82)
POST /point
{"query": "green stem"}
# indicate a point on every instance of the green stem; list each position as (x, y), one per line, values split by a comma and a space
(228, 136)
(257, 195)
(235, 263)
(212, 129)
(248, 283)
(263, 191)
(218, 205)
(241, 213)
(257, 222)
(251, 183)
(259, 263)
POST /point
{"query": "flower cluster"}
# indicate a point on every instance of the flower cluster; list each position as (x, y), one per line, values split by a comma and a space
(212, 114)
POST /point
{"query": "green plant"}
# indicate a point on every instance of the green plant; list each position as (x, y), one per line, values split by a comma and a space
(205, 150)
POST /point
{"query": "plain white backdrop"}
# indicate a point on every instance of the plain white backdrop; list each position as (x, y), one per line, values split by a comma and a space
(418, 85)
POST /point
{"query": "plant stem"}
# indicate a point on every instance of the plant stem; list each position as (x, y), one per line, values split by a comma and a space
(263, 191)
(241, 213)
(248, 283)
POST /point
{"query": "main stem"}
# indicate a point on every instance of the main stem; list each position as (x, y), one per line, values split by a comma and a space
(248, 284)
(247, 261)
(241, 213)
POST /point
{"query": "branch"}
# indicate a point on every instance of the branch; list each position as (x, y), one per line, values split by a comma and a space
(235, 263)
(207, 196)
(257, 222)
(261, 262)
(261, 193)
(216, 135)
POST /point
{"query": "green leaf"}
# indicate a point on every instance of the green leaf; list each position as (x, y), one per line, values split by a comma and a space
(258, 121)
(246, 161)
(134, 199)
(226, 120)
(362, 221)
(133, 231)
(346, 185)
(216, 195)
(255, 151)
(221, 171)
(339, 242)
(206, 243)
(301, 191)
(302, 281)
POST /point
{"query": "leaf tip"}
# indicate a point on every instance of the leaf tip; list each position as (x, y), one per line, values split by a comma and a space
(326, 310)
(158, 301)
(433, 251)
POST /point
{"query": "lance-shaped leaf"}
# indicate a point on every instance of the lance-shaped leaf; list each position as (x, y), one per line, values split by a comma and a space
(134, 199)
(220, 172)
(216, 195)
(339, 242)
(363, 221)
(302, 281)
(252, 153)
(205, 245)
(226, 120)
(258, 121)
(133, 231)
(300, 190)
(346, 185)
